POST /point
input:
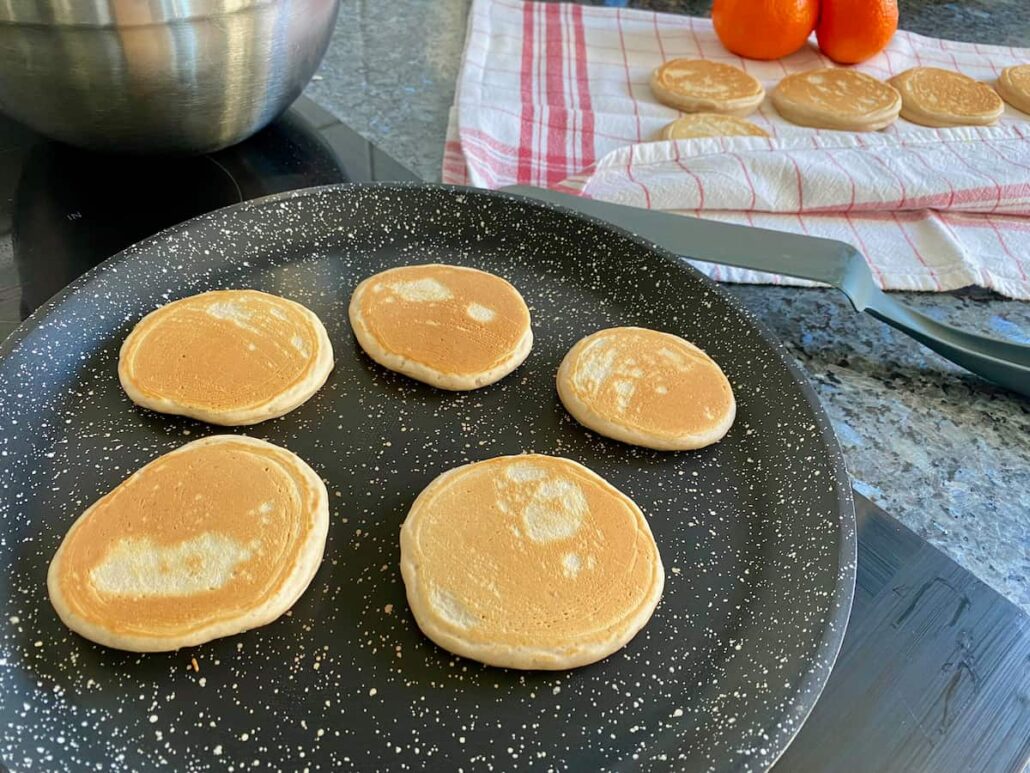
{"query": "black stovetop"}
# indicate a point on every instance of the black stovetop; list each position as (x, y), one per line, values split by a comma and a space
(934, 673)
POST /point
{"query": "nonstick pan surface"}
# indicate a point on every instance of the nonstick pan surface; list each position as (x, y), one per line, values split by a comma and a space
(757, 532)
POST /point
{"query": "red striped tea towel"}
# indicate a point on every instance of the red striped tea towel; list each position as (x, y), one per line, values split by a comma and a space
(557, 95)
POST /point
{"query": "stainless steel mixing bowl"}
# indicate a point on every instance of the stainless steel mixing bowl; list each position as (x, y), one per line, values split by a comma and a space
(157, 76)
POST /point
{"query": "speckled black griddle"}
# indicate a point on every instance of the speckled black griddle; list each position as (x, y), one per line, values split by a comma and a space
(757, 533)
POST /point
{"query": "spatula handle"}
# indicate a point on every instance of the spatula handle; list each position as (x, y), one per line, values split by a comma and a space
(1003, 362)
(823, 260)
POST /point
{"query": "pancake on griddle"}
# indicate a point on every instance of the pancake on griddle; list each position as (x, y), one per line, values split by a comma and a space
(227, 357)
(219, 536)
(647, 388)
(934, 97)
(453, 327)
(835, 98)
(530, 562)
(703, 86)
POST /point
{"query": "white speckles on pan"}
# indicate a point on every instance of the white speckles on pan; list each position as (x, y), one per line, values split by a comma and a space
(757, 530)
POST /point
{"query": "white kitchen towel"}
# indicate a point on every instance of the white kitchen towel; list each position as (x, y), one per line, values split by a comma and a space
(557, 95)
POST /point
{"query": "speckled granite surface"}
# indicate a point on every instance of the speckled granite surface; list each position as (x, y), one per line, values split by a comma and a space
(944, 452)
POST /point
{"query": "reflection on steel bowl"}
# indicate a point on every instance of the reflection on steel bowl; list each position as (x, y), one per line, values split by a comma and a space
(157, 76)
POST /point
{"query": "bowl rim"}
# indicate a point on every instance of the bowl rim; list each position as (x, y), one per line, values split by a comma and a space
(102, 14)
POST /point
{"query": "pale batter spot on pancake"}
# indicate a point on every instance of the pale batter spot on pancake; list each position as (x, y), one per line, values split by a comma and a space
(421, 291)
(661, 389)
(452, 610)
(479, 313)
(265, 510)
(623, 394)
(675, 358)
(555, 510)
(551, 508)
(251, 348)
(229, 311)
(703, 85)
(139, 568)
(595, 366)
(571, 564)
(520, 472)
(298, 343)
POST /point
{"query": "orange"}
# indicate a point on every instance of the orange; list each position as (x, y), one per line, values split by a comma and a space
(851, 31)
(764, 29)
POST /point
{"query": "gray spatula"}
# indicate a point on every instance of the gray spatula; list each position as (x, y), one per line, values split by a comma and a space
(822, 260)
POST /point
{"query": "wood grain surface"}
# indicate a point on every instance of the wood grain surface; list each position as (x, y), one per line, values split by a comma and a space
(934, 673)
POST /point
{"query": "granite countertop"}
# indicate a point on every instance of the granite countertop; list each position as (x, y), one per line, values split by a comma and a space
(944, 452)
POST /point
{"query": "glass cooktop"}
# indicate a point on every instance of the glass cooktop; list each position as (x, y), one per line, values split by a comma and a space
(64, 210)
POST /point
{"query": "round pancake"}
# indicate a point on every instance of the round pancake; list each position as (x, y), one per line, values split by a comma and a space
(710, 125)
(1014, 86)
(703, 86)
(450, 326)
(529, 562)
(835, 98)
(934, 97)
(646, 388)
(227, 357)
(219, 536)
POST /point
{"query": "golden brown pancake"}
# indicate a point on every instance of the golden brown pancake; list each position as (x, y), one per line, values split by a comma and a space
(836, 98)
(703, 86)
(227, 357)
(934, 97)
(710, 125)
(449, 326)
(529, 562)
(646, 388)
(219, 536)
(1014, 86)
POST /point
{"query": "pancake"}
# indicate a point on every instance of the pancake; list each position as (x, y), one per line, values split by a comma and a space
(934, 97)
(219, 536)
(646, 388)
(529, 562)
(710, 125)
(703, 86)
(228, 357)
(835, 98)
(1014, 86)
(453, 327)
